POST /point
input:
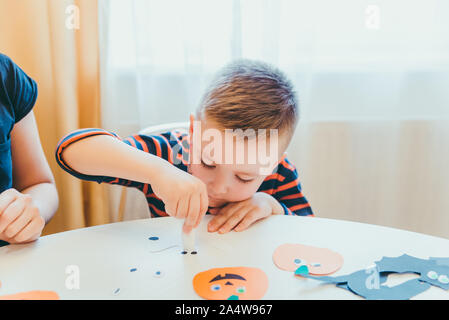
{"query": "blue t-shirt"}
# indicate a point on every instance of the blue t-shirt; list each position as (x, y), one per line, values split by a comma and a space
(18, 93)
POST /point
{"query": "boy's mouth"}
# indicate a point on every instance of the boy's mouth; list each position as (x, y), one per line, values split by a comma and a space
(217, 207)
(216, 203)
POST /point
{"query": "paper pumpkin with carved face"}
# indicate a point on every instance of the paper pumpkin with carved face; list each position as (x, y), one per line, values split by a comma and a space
(32, 295)
(304, 259)
(231, 283)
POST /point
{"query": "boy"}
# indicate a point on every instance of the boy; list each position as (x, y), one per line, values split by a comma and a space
(184, 177)
(28, 197)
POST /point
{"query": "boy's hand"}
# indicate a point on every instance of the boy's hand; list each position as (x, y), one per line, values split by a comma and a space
(184, 195)
(240, 215)
(20, 220)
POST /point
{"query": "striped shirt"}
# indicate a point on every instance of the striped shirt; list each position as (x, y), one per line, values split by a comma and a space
(283, 184)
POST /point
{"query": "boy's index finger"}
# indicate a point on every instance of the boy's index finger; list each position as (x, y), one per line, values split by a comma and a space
(193, 210)
(186, 229)
(203, 208)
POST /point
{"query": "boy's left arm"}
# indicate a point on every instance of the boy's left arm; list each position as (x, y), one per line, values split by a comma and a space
(285, 198)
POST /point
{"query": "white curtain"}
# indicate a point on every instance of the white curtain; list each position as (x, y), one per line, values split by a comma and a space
(348, 58)
(351, 61)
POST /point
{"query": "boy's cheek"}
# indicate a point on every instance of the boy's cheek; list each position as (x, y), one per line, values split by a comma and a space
(237, 191)
(241, 191)
(197, 171)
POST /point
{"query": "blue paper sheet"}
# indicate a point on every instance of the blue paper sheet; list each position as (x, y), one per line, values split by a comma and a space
(370, 283)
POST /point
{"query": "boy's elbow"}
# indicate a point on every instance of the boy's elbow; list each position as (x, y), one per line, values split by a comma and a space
(70, 157)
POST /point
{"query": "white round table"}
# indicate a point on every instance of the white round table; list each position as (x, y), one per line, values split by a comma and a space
(117, 261)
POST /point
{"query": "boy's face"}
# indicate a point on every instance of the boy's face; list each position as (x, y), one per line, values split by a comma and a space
(236, 178)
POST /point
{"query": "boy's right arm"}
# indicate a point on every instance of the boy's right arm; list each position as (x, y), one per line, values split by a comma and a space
(103, 154)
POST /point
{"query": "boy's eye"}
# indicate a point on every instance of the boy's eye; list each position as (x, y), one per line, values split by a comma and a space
(206, 165)
(244, 180)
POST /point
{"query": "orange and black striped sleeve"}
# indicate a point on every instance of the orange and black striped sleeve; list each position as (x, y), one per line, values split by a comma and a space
(285, 187)
(166, 146)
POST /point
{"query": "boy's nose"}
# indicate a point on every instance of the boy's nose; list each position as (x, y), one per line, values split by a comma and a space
(218, 189)
(218, 186)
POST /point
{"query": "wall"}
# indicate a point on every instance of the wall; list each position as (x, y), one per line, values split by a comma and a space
(390, 173)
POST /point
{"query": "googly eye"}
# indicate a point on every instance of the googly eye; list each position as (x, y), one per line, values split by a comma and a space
(444, 279)
(215, 287)
(315, 264)
(158, 274)
(241, 289)
(432, 275)
(299, 261)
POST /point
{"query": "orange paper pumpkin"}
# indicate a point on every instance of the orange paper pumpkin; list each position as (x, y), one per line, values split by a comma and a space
(32, 295)
(317, 261)
(232, 283)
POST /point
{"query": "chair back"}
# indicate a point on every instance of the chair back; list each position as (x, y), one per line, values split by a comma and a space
(127, 194)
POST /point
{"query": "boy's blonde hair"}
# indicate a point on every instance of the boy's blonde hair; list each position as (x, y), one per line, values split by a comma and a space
(249, 94)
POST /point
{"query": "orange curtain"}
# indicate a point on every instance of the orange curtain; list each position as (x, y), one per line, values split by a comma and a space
(56, 43)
